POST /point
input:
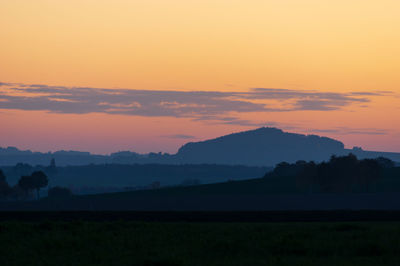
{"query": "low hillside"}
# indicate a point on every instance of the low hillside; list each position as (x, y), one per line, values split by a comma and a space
(135, 176)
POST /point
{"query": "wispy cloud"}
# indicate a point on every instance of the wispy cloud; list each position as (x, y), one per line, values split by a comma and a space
(179, 136)
(222, 107)
(352, 131)
(231, 120)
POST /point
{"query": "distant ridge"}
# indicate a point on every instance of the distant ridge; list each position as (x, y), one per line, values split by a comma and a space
(264, 146)
(260, 146)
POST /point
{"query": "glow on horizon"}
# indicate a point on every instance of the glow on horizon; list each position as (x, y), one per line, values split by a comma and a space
(226, 45)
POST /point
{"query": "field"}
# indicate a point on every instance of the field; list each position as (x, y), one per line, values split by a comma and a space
(123, 242)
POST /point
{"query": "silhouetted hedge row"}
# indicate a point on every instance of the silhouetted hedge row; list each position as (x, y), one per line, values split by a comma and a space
(339, 174)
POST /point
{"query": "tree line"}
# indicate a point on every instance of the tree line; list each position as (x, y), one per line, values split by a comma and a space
(339, 174)
(27, 184)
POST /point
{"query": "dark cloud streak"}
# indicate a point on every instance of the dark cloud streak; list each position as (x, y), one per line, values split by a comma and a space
(196, 105)
(352, 131)
(179, 136)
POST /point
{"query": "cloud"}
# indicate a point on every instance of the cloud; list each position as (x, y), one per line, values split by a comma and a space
(179, 136)
(6, 84)
(230, 120)
(352, 131)
(375, 93)
(221, 107)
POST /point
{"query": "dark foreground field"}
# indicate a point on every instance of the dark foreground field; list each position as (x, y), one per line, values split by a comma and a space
(83, 242)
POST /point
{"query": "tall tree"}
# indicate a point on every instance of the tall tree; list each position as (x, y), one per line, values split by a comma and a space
(39, 180)
(26, 183)
(4, 187)
(36, 180)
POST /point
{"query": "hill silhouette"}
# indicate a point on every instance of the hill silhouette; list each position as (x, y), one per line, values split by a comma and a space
(269, 193)
(116, 177)
(263, 146)
(260, 147)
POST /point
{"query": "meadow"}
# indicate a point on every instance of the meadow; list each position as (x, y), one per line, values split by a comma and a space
(79, 242)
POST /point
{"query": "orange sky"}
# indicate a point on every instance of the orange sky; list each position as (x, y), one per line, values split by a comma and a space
(224, 45)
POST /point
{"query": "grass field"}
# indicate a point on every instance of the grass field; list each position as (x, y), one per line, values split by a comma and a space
(144, 243)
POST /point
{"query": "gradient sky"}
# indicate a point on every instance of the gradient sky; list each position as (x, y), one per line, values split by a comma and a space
(151, 75)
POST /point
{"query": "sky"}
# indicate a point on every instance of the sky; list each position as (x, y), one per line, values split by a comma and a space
(104, 76)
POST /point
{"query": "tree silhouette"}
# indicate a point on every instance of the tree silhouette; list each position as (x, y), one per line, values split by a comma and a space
(385, 162)
(339, 174)
(307, 176)
(16, 192)
(344, 172)
(2, 176)
(369, 171)
(4, 187)
(39, 180)
(26, 183)
(36, 180)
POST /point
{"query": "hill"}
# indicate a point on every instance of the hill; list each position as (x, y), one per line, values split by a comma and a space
(269, 146)
(118, 177)
(273, 193)
(263, 146)
(260, 147)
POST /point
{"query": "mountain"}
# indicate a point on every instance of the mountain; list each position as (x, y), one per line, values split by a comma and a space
(263, 146)
(260, 147)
